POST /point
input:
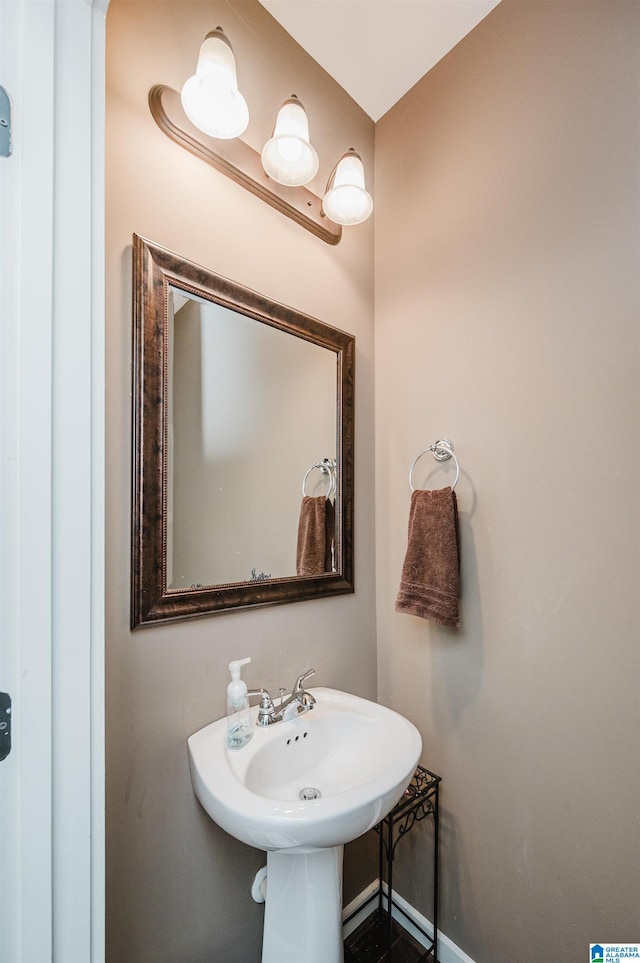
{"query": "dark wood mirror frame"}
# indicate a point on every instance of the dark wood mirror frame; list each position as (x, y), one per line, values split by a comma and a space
(154, 270)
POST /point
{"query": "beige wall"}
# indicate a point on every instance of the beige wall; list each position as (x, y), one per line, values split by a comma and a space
(507, 320)
(178, 888)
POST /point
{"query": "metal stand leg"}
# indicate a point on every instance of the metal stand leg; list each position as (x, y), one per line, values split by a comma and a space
(380, 867)
(436, 823)
(389, 902)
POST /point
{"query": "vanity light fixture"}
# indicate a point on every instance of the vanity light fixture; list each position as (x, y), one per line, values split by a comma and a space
(346, 201)
(211, 98)
(288, 157)
(209, 115)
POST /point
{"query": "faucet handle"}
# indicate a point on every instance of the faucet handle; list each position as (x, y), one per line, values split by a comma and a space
(265, 698)
(303, 678)
(265, 710)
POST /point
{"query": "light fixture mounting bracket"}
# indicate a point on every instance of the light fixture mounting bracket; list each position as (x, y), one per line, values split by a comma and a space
(241, 163)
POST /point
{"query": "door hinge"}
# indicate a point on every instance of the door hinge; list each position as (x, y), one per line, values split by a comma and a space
(5, 123)
(5, 725)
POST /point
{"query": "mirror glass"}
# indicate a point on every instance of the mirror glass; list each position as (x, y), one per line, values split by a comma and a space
(243, 410)
(251, 408)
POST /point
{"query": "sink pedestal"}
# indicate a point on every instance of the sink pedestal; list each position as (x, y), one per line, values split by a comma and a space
(303, 908)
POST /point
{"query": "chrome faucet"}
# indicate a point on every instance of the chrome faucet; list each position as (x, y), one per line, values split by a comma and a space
(296, 704)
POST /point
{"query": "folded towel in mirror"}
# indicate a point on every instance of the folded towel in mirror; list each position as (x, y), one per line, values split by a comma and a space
(429, 585)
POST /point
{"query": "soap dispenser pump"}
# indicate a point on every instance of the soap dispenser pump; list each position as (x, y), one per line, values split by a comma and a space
(239, 728)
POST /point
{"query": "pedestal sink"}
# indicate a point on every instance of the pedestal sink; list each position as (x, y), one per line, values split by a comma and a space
(300, 790)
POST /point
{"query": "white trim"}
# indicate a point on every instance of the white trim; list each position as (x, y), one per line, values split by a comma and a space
(448, 952)
(98, 488)
(77, 492)
(52, 482)
(25, 576)
(354, 907)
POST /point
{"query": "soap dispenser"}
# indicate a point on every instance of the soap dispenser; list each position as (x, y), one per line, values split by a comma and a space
(239, 728)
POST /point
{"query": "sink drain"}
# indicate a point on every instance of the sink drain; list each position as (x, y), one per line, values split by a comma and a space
(310, 792)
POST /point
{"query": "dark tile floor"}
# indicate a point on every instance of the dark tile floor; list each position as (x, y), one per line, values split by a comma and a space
(368, 944)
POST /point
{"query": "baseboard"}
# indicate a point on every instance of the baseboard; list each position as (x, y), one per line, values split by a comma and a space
(359, 910)
(408, 917)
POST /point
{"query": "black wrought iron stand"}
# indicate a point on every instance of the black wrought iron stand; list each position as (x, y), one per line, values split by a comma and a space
(420, 799)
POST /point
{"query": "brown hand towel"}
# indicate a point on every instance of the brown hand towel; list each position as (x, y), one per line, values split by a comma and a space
(315, 536)
(430, 574)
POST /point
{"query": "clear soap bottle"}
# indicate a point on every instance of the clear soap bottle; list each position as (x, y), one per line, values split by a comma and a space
(239, 727)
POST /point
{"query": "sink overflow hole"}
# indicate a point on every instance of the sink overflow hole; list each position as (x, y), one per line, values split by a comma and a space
(310, 792)
(304, 736)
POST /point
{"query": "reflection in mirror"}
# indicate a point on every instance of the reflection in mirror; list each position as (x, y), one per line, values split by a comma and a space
(243, 440)
(250, 409)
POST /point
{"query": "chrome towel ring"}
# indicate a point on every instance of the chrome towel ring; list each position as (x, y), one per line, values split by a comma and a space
(442, 451)
(328, 467)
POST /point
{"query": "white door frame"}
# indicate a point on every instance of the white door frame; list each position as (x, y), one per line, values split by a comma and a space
(52, 481)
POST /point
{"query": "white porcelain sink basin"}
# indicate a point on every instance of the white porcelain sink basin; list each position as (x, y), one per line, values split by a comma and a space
(300, 790)
(357, 755)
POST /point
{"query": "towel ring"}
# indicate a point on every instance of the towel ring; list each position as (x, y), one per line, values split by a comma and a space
(442, 451)
(327, 467)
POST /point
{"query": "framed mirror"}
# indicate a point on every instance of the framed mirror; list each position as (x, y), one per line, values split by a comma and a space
(243, 428)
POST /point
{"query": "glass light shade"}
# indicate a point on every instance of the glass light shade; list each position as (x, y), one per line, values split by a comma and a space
(346, 201)
(288, 157)
(211, 98)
